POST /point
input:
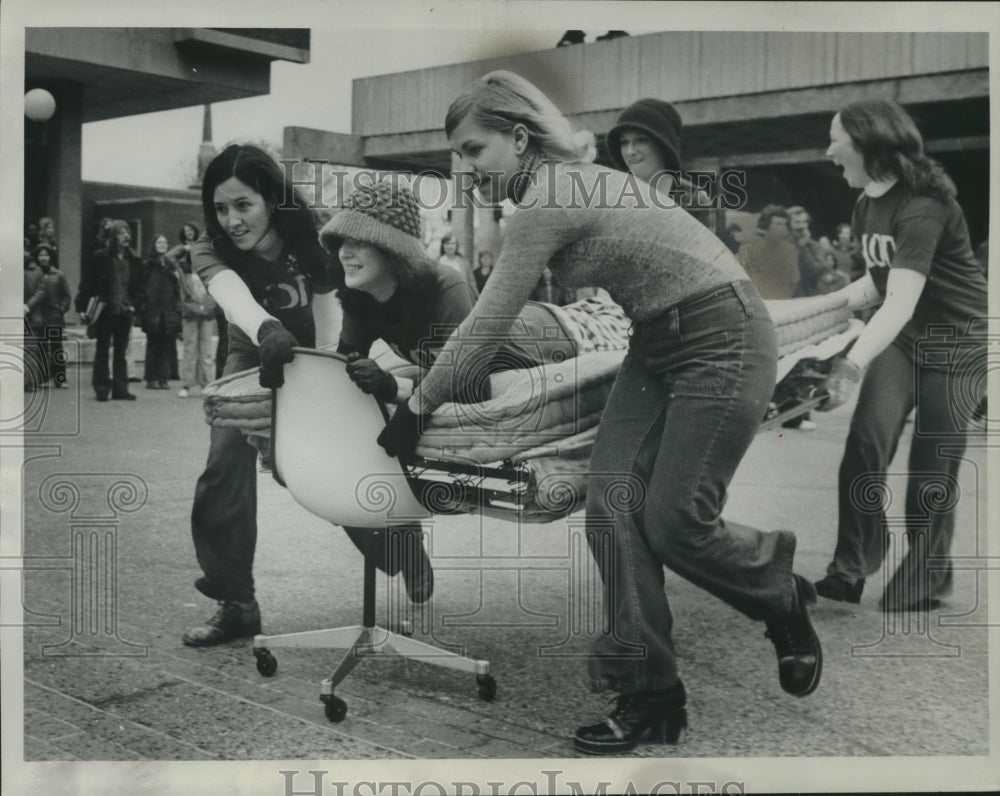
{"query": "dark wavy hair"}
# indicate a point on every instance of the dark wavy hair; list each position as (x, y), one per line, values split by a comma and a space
(197, 231)
(291, 217)
(153, 254)
(413, 302)
(893, 148)
(769, 212)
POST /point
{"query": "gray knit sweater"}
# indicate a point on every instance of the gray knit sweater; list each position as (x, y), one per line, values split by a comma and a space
(593, 227)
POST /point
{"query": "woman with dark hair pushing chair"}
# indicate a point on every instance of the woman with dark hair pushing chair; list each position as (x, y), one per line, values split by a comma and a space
(261, 261)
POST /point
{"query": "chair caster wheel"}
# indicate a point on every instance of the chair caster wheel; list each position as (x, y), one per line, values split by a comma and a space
(334, 707)
(267, 664)
(487, 687)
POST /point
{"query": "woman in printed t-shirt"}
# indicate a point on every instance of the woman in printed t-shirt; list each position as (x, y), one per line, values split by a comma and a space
(261, 261)
(922, 270)
(685, 406)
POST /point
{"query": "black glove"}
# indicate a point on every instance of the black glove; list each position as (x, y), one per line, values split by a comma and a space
(844, 377)
(399, 437)
(371, 378)
(276, 344)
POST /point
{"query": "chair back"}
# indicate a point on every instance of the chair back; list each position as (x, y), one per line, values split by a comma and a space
(323, 436)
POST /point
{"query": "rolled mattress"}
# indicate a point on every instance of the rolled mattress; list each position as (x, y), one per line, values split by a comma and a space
(532, 407)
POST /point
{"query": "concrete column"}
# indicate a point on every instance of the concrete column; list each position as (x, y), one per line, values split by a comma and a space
(462, 214)
(64, 185)
(487, 233)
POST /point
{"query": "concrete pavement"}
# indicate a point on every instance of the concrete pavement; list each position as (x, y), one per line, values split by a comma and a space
(108, 492)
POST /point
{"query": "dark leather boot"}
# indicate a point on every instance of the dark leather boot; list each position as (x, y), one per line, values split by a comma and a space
(233, 620)
(800, 656)
(836, 588)
(418, 573)
(658, 716)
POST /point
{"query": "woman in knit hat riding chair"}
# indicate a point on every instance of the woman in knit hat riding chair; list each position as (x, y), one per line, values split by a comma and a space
(646, 141)
(395, 293)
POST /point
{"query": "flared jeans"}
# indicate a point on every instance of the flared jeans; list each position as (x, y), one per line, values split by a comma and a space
(945, 398)
(687, 403)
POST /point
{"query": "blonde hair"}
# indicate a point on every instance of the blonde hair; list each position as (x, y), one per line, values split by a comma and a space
(501, 99)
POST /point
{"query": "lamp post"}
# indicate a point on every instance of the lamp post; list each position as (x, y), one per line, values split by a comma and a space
(39, 107)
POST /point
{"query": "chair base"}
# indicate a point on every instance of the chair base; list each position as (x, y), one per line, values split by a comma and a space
(367, 640)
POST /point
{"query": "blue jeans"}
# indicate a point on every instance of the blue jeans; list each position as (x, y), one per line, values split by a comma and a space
(224, 514)
(684, 408)
(892, 387)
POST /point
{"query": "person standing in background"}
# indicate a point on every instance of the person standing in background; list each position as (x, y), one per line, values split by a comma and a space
(770, 258)
(47, 234)
(847, 253)
(54, 306)
(646, 141)
(31, 235)
(812, 263)
(198, 310)
(814, 275)
(34, 299)
(115, 278)
(451, 257)
(160, 313)
(482, 273)
(181, 255)
(734, 237)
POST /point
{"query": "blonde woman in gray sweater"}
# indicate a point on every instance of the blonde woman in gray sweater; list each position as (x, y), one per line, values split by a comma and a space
(686, 404)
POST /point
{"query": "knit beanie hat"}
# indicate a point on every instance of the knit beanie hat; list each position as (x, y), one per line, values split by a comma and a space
(377, 214)
(655, 117)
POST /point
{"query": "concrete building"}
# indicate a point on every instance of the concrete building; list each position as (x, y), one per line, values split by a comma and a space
(103, 73)
(756, 101)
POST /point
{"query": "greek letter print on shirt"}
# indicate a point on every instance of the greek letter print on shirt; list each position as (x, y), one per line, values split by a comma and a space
(284, 288)
(877, 250)
(290, 292)
(923, 234)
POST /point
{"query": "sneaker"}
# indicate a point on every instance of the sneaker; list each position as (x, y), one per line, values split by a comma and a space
(800, 656)
(121, 396)
(183, 393)
(233, 620)
(807, 425)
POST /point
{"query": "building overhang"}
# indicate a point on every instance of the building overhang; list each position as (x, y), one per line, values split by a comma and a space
(755, 129)
(128, 71)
